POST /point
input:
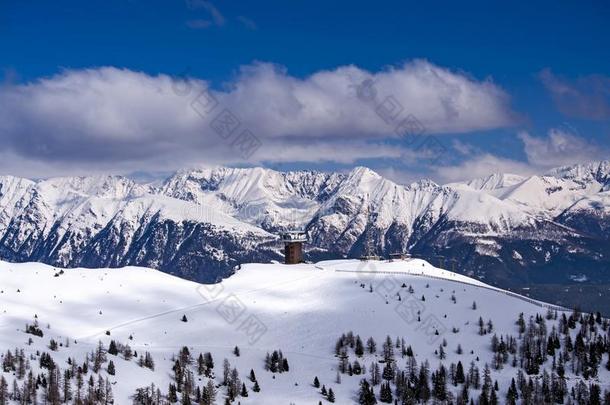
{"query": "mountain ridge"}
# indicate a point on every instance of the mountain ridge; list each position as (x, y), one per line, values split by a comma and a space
(201, 223)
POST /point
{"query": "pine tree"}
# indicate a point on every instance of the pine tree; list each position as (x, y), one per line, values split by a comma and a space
(493, 398)
(388, 372)
(331, 395)
(385, 393)
(366, 396)
(375, 374)
(244, 391)
(236, 351)
(210, 393)
(111, 369)
(172, 395)
(186, 399)
(424, 387)
(112, 349)
(52, 392)
(460, 378)
(512, 395)
(200, 365)
(595, 395)
(316, 382)
(371, 345)
(127, 353)
(67, 391)
(226, 370)
(184, 319)
(359, 350)
(3, 391)
(256, 387)
(99, 357)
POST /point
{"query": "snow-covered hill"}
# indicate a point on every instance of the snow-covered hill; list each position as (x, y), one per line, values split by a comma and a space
(201, 223)
(301, 310)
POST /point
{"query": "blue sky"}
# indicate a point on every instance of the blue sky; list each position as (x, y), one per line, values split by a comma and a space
(548, 67)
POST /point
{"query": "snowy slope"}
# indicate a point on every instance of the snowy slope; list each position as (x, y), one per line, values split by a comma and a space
(300, 309)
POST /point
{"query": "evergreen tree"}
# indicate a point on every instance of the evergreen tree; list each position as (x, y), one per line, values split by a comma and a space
(186, 399)
(226, 370)
(3, 391)
(67, 391)
(595, 395)
(366, 396)
(111, 369)
(316, 382)
(211, 393)
(460, 378)
(172, 395)
(359, 349)
(512, 395)
(200, 365)
(371, 345)
(388, 372)
(331, 395)
(423, 393)
(112, 349)
(493, 398)
(385, 393)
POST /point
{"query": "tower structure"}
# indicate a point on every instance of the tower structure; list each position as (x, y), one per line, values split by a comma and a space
(293, 245)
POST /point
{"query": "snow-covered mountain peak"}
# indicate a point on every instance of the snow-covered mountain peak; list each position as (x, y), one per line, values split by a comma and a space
(186, 223)
(368, 184)
(112, 187)
(492, 182)
(585, 173)
(424, 184)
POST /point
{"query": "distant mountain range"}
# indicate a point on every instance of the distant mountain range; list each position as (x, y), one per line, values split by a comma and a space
(199, 224)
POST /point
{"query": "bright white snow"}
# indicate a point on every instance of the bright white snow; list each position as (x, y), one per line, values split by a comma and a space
(300, 309)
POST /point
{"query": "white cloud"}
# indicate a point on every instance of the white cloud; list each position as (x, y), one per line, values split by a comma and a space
(325, 103)
(118, 119)
(561, 146)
